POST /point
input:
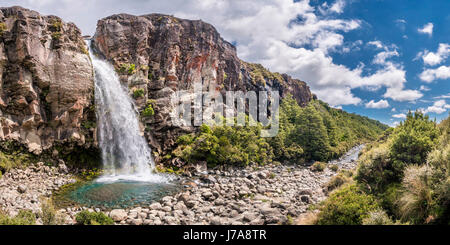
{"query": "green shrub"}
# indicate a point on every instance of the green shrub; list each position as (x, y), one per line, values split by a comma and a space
(346, 206)
(334, 167)
(56, 35)
(412, 141)
(126, 68)
(389, 198)
(24, 217)
(138, 93)
(90, 174)
(374, 172)
(89, 124)
(318, 166)
(131, 69)
(15, 159)
(439, 159)
(377, 217)
(336, 182)
(259, 74)
(185, 139)
(408, 170)
(217, 145)
(48, 214)
(148, 111)
(93, 218)
(2, 28)
(56, 25)
(416, 201)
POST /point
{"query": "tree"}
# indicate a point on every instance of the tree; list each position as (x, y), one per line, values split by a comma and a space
(311, 135)
(412, 141)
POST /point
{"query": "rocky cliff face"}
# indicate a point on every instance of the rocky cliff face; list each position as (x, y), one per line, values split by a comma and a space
(46, 81)
(157, 55)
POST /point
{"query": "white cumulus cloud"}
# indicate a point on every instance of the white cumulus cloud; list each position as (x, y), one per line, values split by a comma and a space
(427, 29)
(438, 107)
(445, 96)
(429, 75)
(401, 115)
(424, 88)
(377, 105)
(435, 58)
(376, 43)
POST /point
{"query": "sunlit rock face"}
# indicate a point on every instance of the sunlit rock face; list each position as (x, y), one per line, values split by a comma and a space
(171, 54)
(46, 81)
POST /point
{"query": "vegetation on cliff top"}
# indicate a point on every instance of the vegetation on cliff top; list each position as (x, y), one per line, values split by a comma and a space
(2, 28)
(259, 74)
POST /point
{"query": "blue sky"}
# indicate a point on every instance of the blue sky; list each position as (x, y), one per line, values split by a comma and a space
(378, 58)
(397, 23)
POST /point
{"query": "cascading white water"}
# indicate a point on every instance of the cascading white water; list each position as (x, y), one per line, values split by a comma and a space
(125, 153)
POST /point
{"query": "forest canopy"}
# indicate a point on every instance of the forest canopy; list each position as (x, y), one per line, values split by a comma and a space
(316, 132)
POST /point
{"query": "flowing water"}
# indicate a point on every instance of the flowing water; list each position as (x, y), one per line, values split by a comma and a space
(125, 152)
(129, 177)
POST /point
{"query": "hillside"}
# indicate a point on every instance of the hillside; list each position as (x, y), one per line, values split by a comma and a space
(316, 132)
(403, 177)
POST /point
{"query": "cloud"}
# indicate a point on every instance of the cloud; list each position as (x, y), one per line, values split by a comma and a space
(377, 105)
(401, 24)
(336, 7)
(426, 29)
(286, 36)
(393, 110)
(429, 75)
(445, 96)
(438, 107)
(381, 57)
(377, 44)
(351, 46)
(435, 58)
(424, 88)
(400, 94)
(401, 115)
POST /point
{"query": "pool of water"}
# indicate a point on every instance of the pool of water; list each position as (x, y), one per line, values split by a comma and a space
(121, 194)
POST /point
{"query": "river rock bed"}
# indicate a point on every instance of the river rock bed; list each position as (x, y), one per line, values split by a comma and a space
(271, 194)
(25, 188)
(262, 195)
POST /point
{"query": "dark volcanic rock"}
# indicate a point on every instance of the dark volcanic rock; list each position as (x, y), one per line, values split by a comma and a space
(46, 80)
(171, 54)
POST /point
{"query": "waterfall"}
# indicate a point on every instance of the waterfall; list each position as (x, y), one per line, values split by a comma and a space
(125, 152)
